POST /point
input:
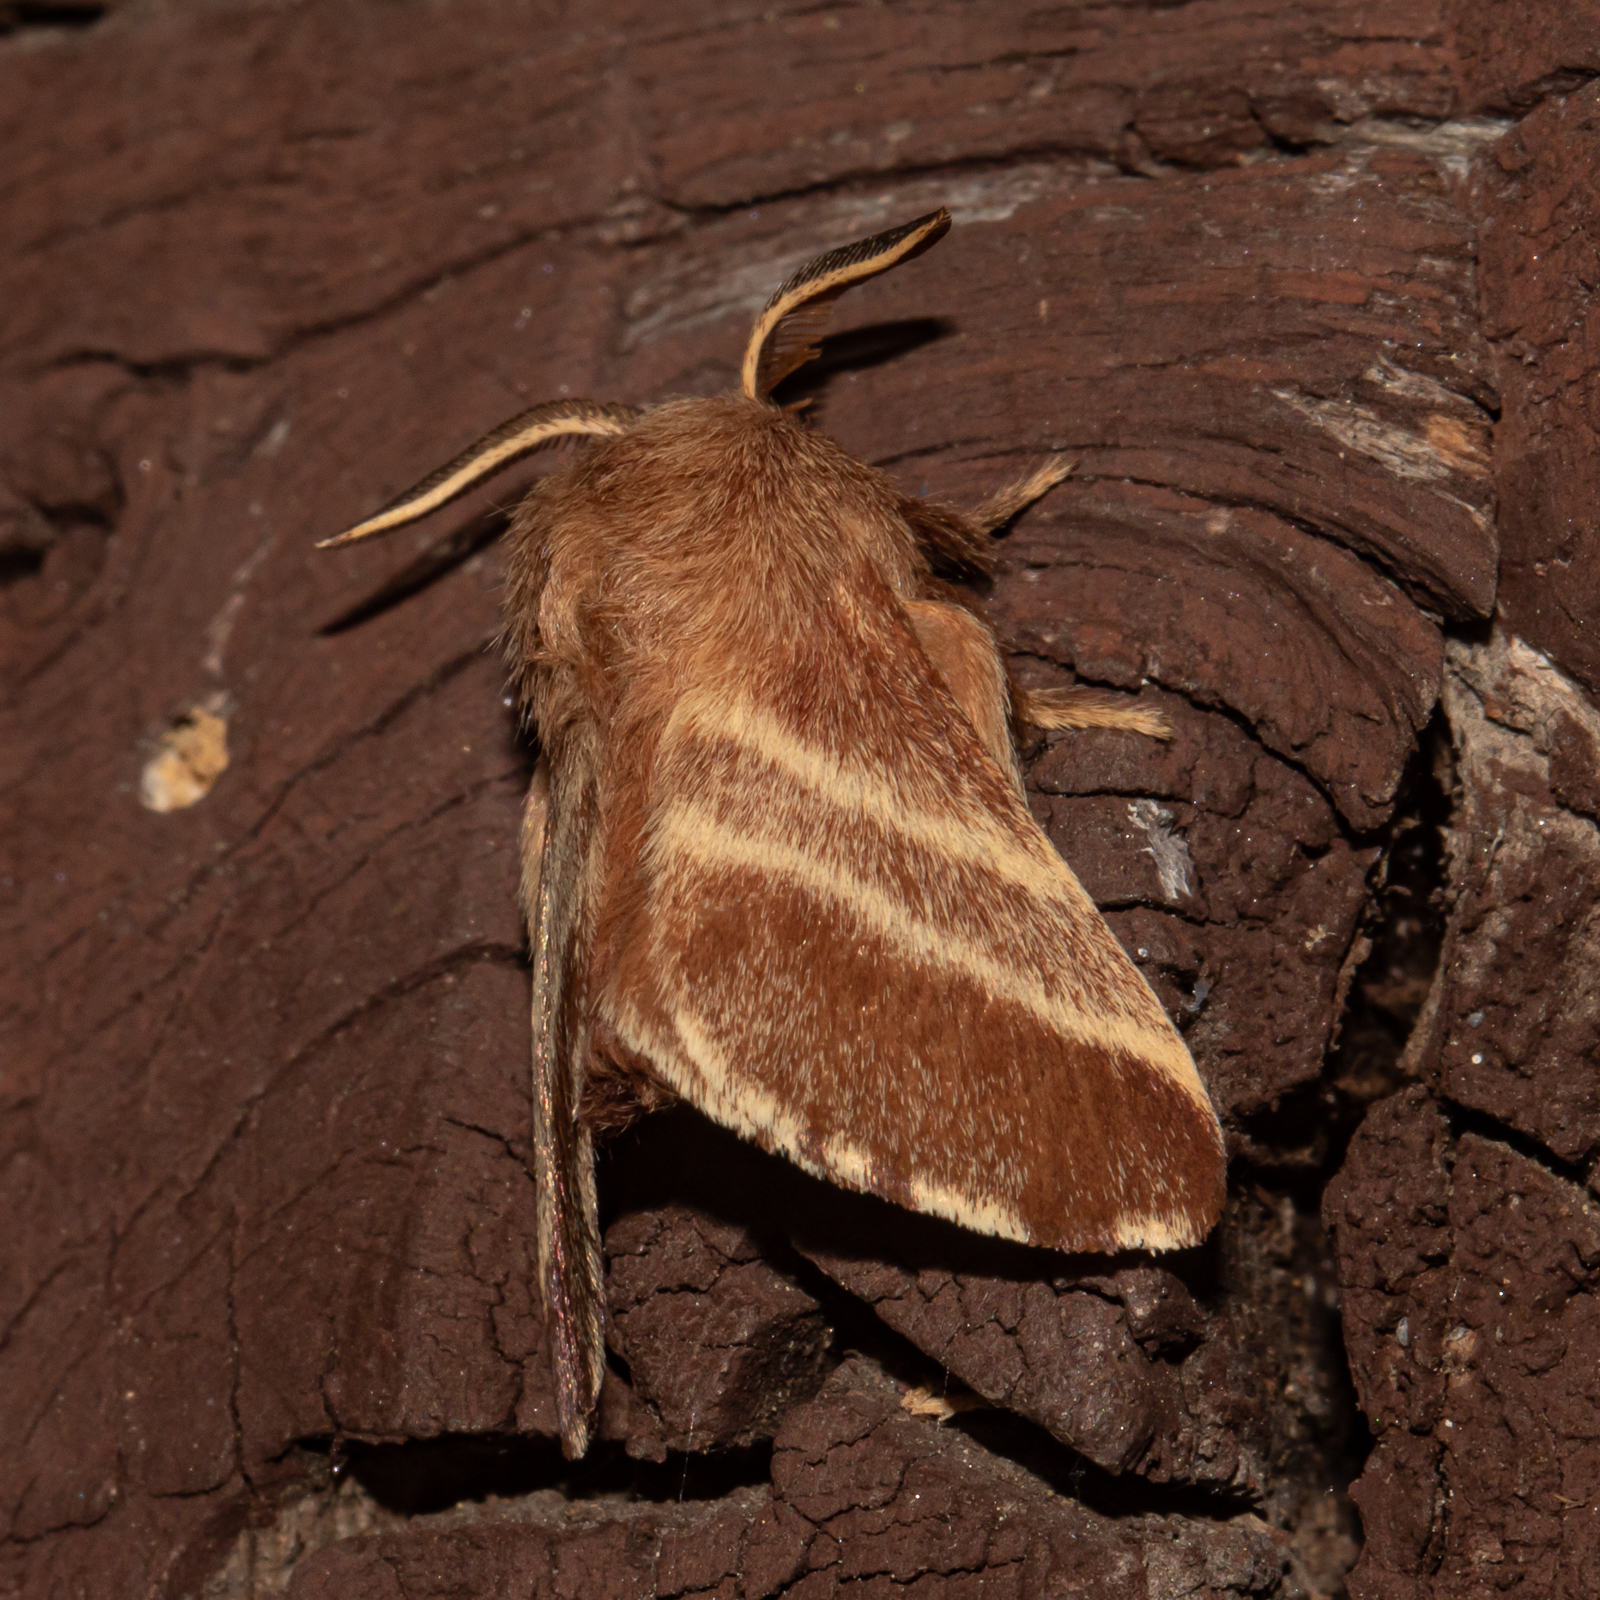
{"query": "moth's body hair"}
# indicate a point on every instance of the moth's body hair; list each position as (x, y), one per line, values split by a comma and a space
(777, 858)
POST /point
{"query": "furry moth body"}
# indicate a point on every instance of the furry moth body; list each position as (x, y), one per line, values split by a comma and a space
(777, 859)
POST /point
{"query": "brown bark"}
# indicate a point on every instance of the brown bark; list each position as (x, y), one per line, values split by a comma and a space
(1304, 291)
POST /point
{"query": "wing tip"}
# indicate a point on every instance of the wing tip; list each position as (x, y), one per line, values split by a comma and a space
(576, 1432)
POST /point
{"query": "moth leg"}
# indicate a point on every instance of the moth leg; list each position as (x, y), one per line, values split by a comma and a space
(964, 538)
(1002, 506)
(1062, 708)
(951, 534)
(557, 826)
(963, 652)
(1078, 707)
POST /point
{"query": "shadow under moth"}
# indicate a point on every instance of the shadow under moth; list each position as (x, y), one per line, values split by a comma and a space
(777, 859)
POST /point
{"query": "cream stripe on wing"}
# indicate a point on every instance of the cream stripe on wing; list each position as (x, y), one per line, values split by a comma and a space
(1165, 1231)
(968, 834)
(701, 1071)
(981, 1215)
(693, 833)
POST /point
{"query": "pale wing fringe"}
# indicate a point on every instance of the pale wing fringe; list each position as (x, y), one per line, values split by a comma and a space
(694, 835)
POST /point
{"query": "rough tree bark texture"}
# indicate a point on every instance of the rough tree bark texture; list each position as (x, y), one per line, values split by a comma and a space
(1304, 289)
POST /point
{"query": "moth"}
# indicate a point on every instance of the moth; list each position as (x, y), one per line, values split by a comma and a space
(777, 859)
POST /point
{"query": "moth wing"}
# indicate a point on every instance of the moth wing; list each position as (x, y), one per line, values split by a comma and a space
(851, 943)
(557, 846)
(962, 652)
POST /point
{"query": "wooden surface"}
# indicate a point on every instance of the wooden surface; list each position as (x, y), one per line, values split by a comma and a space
(1303, 289)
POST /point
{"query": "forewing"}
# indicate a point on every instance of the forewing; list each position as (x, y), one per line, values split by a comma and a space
(558, 850)
(853, 945)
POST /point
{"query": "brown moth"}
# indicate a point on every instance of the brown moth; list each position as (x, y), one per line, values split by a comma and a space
(777, 859)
